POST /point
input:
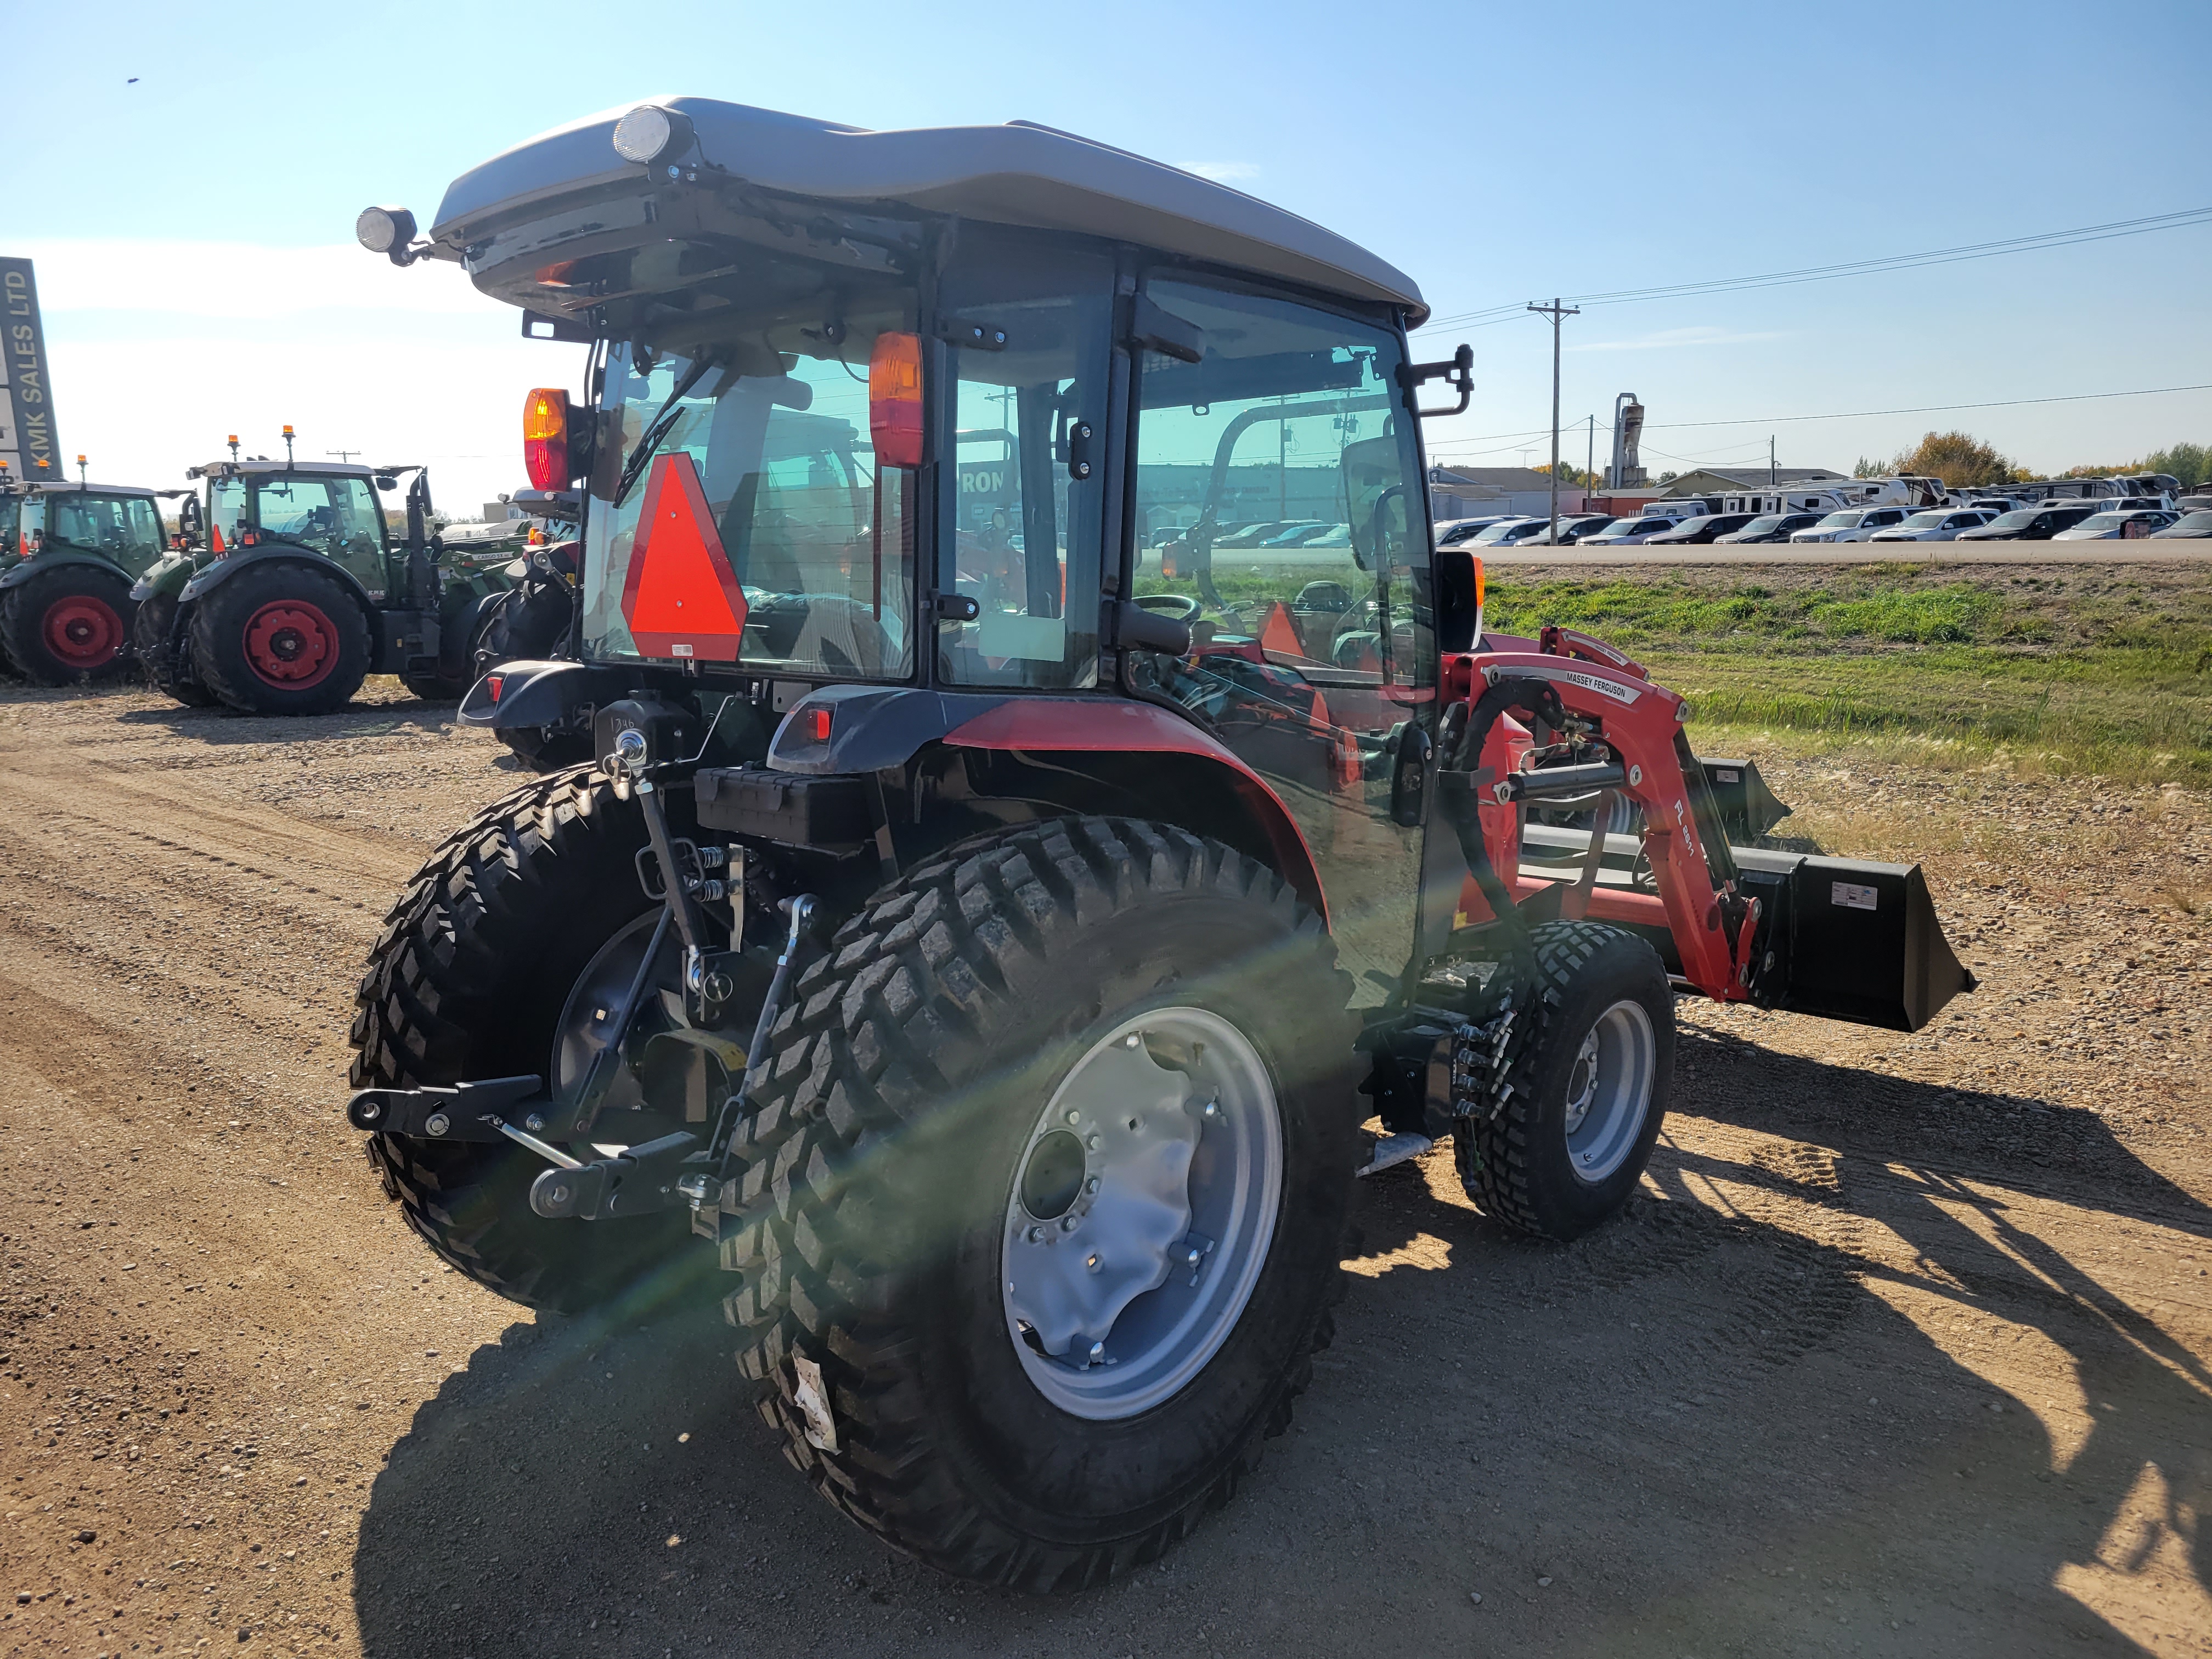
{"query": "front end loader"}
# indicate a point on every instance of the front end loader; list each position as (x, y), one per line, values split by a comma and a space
(969, 954)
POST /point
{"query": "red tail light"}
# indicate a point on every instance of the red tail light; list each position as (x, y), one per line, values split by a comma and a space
(895, 400)
(817, 723)
(545, 438)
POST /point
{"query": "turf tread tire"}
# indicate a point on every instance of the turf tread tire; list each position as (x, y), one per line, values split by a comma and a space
(898, 1008)
(543, 874)
(1497, 1157)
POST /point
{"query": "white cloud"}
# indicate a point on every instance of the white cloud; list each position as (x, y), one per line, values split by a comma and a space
(160, 348)
(1669, 339)
(242, 280)
(1222, 173)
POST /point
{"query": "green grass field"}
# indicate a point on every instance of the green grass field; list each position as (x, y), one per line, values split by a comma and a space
(2067, 670)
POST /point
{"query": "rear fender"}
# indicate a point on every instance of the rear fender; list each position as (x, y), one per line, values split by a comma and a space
(525, 694)
(30, 567)
(221, 570)
(1193, 781)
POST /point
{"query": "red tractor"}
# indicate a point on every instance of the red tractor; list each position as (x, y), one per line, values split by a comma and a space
(990, 948)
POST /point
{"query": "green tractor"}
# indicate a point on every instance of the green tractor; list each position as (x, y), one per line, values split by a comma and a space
(290, 589)
(69, 554)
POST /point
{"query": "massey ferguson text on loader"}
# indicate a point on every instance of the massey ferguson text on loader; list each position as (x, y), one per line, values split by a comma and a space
(989, 947)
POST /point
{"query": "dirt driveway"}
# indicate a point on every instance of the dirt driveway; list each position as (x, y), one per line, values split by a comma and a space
(1906, 1348)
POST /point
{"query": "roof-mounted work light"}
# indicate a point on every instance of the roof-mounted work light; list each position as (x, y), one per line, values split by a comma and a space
(650, 134)
(386, 230)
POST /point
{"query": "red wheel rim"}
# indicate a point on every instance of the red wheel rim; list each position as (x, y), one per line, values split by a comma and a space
(83, 632)
(291, 644)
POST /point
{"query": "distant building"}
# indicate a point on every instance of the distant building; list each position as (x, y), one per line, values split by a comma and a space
(1711, 481)
(1476, 492)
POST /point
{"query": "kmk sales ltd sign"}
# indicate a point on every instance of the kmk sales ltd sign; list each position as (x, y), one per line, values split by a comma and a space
(27, 443)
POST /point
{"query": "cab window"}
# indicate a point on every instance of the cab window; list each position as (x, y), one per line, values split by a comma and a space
(1030, 335)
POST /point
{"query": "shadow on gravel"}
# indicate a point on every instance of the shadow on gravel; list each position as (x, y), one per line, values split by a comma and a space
(1703, 1429)
(228, 726)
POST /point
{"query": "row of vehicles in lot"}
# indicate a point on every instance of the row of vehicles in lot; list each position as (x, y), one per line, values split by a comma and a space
(282, 586)
(1738, 521)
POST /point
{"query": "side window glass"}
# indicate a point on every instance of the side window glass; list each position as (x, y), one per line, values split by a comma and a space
(1026, 480)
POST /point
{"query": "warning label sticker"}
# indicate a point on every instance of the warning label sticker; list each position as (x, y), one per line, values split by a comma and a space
(1852, 897)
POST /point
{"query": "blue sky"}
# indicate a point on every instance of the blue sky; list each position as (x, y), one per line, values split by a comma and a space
(192, 230)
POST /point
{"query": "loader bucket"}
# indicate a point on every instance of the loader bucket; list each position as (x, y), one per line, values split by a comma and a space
(1747, 807)
(1849, 941)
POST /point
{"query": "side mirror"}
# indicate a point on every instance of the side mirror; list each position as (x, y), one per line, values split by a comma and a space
(1374, 477)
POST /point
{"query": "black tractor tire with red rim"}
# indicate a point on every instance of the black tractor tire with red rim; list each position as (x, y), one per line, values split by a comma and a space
(163, 658)
(281, 639)
(68, 625)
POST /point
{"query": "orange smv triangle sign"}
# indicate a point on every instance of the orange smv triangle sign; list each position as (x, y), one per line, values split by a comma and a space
(681, 599)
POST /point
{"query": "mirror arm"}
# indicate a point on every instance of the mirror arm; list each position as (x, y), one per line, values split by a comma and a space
(1456, 371)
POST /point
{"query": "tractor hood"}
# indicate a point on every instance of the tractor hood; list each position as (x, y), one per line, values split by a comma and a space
(514, 221)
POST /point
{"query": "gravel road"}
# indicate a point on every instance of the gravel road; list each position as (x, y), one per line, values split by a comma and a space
(1906, 1347)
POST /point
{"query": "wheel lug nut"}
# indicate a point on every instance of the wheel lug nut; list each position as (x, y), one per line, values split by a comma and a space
(1213, 1108)
(1098, 1353)
(1092, 1185)
(1092, 1142)
(1067, 1223)
(1037, 1235)
(1074, 1118)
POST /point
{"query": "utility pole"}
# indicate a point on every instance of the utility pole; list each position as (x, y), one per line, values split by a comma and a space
(1774, 476)
(1557, 313)
(1589, 463)
(345, 455)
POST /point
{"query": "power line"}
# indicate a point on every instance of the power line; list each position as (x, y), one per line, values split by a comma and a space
(2175, 221)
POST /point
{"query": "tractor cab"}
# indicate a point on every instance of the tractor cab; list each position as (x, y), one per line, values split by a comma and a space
(329, 510)
(992, 940)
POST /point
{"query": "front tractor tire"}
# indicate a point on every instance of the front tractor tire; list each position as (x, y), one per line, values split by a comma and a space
(1044, 1194)
(67, 626)
(163, 657)
(469, 981)
(281, 639)
(1590, 1085)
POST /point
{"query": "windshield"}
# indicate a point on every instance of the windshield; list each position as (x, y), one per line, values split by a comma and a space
(772, 438)
(1923, 521)
(2018, 520)
(2105, 521)
(2197, 524)
(1840, 521)
(9, 513)
(124, 528)
(1763, 525)
(337, 517)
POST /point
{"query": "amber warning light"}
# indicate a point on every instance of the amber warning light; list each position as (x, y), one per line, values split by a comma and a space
(545, 438)
(895, 398)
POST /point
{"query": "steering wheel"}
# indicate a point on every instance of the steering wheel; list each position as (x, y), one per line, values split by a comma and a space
(1180, 607)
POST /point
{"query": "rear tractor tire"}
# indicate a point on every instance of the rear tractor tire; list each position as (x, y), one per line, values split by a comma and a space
(477, 966)
(1590, 1087)
(1044, 1195)
(162, 660)
(281, 639)
(67, 626)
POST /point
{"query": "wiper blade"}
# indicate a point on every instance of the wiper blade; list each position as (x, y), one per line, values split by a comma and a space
(663, 422)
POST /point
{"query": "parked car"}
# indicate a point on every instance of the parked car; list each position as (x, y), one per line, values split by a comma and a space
(1572, 526)
(1509, 533)
(1335, 535)
(1851, 524)
(1454, 531)
(1298, 535)
(1252, 535)
(1769, 527)
(2128, 526)
(2029, 524)
(1941, 523)
(2188, 525)
(1629, 532)
(1699, 531)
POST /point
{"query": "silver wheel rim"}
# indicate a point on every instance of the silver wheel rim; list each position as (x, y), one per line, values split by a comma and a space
(1143, 1204)
(1609, 1091)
